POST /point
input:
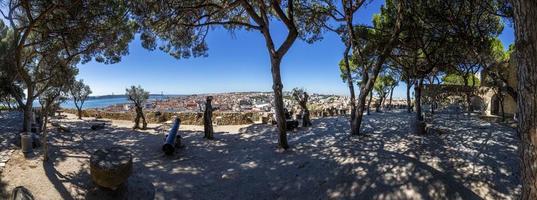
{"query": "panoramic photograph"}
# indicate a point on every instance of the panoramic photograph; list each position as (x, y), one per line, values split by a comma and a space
(268, 99)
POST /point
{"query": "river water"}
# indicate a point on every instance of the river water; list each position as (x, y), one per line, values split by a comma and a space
(105, 101)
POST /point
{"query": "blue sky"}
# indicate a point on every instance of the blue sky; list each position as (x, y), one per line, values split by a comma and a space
(236, 62)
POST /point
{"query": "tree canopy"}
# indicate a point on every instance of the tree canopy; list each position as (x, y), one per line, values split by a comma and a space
(137, 95)
(455, 79)
(80, 92)
(180, 27)
(49, 38)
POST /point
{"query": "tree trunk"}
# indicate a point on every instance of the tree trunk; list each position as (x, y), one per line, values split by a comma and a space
(137, 119)
(418, 126)
(207, 122)
(306, 121)
(469, 102)
(526, 52)
(278, 101)
(27, 122)
(45, 136)
(418, 88)
(79, 111)
(9, 104)
(42, 114)
(502, 109)
(144, 122)
(379, 104)
(468, 95)
(27, 109)
(391, 97)
(368, 82)
(500, 97)
(408, 100)
(369, 102)
(352, 42)
(365, 89)
(350, 82)
(357, 123)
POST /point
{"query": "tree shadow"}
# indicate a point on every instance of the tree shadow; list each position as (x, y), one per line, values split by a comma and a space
(486, 153)
(323, 163)
(10, 126)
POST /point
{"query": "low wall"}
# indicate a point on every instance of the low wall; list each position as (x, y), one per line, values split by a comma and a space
(187, 118)
(196, 118)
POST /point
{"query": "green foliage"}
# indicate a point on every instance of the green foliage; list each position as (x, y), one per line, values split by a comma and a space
(445, 36)
(80, 92)
(343, 69)
(497, 51)
(180, 27)
(300, 96)
(9, 87)
(455, 79)
(369, 44)
(53, 97)
(498, 64)
(49, 38)
(4, 79)
(137, 95)
(383, 84)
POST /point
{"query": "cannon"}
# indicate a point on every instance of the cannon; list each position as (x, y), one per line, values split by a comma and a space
(169, 144)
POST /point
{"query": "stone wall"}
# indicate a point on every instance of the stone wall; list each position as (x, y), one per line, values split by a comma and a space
(190, 118)
(488, 96)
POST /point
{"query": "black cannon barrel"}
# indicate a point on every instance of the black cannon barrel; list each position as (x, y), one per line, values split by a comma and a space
(169, 145)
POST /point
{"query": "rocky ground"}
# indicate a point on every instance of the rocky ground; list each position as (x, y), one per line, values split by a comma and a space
(465, 158)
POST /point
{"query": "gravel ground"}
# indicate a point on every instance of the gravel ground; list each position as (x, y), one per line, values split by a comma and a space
(465, 158)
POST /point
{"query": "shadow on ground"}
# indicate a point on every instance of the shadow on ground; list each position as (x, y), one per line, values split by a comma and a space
(10, 127)
(474, 160)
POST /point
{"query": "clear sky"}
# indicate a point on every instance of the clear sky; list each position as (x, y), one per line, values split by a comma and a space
(236, 62)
